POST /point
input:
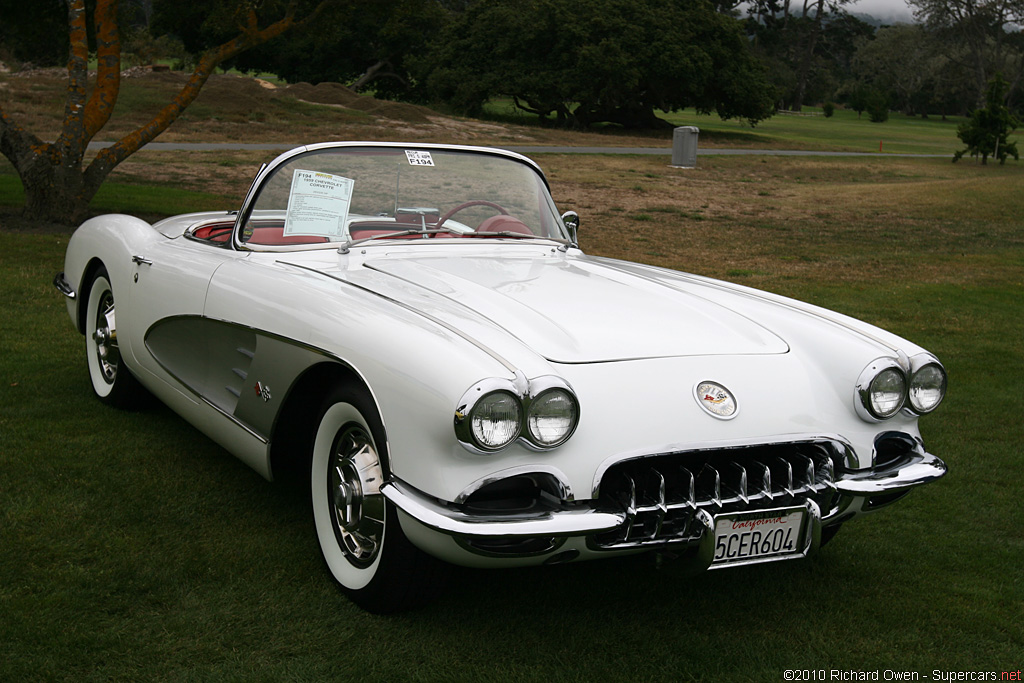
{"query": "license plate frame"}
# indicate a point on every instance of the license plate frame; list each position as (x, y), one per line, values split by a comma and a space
(757, 536)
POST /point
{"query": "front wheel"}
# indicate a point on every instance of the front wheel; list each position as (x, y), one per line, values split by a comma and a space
(111, 380)
(360, 537)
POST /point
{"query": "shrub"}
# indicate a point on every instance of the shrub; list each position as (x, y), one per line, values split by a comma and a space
(878, 107)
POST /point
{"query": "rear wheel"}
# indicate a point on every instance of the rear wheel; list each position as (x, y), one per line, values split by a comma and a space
(111, 380)
(360, 537)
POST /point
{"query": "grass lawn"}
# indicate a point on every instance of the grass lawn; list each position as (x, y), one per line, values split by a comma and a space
(843, 132)
(131, 547)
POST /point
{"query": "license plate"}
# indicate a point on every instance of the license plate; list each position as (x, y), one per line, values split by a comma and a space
(747, 537)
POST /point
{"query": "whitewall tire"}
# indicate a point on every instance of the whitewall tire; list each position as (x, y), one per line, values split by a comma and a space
(360, 537)
(112, 382)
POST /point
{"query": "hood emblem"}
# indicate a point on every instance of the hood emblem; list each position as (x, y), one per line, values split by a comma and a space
(716, 400)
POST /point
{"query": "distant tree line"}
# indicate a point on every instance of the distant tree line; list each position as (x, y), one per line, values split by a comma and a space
(582, 62)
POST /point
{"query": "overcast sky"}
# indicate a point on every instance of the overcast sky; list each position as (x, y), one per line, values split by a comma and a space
(882, 8)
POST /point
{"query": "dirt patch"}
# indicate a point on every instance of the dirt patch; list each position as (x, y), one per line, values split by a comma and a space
(239, 108)
(335, 94)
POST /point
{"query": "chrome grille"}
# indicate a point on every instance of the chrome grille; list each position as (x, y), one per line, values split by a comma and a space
(661, 494)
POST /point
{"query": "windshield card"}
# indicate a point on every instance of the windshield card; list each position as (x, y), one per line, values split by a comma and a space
(417, 158)
(318, 204)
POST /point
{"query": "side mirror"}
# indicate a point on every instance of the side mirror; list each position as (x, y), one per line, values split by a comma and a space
(571, 220)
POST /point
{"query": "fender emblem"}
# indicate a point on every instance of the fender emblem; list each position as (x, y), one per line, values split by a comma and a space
(263, 391)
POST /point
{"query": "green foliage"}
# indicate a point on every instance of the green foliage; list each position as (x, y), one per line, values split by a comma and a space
(877, 105)
(856, 96)
(590, 61)
(807, 58)
(361, 44)
(828, 109)
(35, 32)
(986, 131)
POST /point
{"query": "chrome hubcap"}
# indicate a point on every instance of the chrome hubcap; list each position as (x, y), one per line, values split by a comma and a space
(354, 477)
(105, 336)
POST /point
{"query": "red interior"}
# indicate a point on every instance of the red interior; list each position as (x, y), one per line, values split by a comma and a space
(220, 233)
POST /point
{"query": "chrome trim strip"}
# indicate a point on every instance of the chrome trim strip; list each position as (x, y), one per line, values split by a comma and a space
(228, 221)
(454, 330)
(252, 432)
(63, 286)
(577, 521)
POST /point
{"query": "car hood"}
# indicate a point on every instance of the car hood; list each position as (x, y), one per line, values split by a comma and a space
(573, 311)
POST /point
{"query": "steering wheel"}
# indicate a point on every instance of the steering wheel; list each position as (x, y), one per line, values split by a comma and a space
(465, 205)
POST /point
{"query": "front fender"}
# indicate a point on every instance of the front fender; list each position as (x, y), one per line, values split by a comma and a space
(109, 240)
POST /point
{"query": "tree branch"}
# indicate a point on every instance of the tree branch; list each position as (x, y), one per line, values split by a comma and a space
(108, 78)
(72, 140)
(17, 144)
(249, 37)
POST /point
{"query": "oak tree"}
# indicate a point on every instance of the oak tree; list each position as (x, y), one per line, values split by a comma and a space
(589, 61)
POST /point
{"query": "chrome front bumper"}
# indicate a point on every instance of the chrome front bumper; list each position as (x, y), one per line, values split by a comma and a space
(63, 286)
(856, 490)
(577, 520)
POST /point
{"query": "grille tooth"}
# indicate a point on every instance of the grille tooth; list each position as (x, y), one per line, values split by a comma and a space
(825, 478)
(762, 480)
(785, 468)
(737, 478)
(709, 487)
(689, 488)
(654, 489)
(803, 473)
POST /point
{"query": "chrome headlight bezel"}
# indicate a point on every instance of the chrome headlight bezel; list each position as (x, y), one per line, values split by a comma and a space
(469, 403)
(918, 364)
(535, 390)
(540, 388)
(863, 401)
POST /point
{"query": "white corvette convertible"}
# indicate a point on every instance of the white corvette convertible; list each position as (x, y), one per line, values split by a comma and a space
(414, 330)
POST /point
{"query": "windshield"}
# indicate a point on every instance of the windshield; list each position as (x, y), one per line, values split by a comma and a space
(344, 194)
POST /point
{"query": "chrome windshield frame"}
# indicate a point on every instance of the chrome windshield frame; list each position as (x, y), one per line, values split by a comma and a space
(268, 170)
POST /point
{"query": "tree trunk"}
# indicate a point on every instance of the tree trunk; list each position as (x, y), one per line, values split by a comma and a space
(54, 192)
(808, 57)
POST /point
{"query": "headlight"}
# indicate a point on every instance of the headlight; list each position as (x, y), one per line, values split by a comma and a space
(494, 412)
(927, 384)
(551, 418)
(495, 420)
(881, 390)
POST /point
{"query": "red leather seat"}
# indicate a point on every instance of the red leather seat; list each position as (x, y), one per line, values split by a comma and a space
(502, 223)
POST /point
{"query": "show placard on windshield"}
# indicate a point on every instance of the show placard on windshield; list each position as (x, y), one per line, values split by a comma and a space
(318, 204)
